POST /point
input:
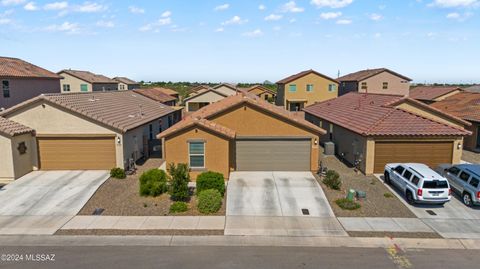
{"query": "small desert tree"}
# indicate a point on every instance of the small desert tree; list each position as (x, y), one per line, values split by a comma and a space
(179, 181)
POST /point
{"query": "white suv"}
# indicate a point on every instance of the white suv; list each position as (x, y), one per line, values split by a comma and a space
(418, 182)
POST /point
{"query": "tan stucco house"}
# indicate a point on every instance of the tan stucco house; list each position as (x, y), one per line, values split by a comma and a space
(305, 88)
(21, 81)
(202, 99)
(432, 94)
(158, 95)
(125, 84)
(85, 81)
(371, 130)
(262, 92)
(97, 131)
(379, 80)
(17, 148)
(242, 133)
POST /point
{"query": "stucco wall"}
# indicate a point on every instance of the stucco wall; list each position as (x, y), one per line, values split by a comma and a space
(470, 142)
(24, 163)
(396, 85)
(208, 97)
(74, 83)
(416, 109)
(6, 159)
(226, 90)
(24, 89)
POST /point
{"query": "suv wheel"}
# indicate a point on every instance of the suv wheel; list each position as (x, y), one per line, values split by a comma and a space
(467, 199)
(410, 199)
(386, 178)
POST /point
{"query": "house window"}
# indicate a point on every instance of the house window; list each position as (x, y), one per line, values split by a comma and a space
(309, 87)
(364, 85)
(6, 88)
(332, 87)
(385, 85)
(196, 152)
(83, 87)
(150, 131)
(122, 87)
(330, 128)
(66, 87)
(266, 97)
(292, 87)
(320, 124)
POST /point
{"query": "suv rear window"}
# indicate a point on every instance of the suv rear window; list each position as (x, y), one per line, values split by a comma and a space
(474, 182)
(435, 184)
(415, 180)
(464, 176)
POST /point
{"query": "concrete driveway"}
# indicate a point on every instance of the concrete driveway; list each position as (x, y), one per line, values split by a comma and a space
(43, 201)
(271, 203)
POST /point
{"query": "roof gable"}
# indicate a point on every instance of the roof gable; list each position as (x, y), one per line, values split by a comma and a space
(17, 68)
(302, 74)
(211, 90)
(155, 94)
(465, 105)
(261, 88)
(368, 73)
(88, 76)
(125, 80)
(430, 93)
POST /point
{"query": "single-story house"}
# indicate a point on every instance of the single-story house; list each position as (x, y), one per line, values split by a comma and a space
(197, 89)
(205, 98)
(125, 84)
(92, 131)
(157, 95)
(169, 92)
(17, 145)
(432, 94)
(377, 80)
(226, 89)
(242, 133)
(262, 92)
(465, 105)
(371, 130)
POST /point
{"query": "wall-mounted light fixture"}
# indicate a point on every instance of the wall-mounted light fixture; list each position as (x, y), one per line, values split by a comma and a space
(119, 141)
(315, 141)
(459, 146)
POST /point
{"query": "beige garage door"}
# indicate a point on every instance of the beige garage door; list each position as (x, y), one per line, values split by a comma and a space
(273, 154)
(429, 153)
(90, 153)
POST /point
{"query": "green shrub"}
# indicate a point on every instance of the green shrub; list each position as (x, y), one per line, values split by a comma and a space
(209, 201)
(344, 203)
(388, 195)
(178, 207)
(332, 180)
(153, 182)
(118, 173)
(179, 181)
(211, 180)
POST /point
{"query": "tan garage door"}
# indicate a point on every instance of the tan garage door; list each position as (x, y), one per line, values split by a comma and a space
(429, 153)
(90, 153)
(273, 154)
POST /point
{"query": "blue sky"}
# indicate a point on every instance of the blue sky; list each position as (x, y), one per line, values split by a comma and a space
(246, 41)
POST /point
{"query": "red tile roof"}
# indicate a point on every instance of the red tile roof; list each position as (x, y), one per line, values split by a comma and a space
(373, 115)
(17, 68)
(213, 109)
(12, 128)
(125, 80)
(430, 93)
(302, 74)
(364, 74)
(465, 105)
(155, 94)
(264, 89)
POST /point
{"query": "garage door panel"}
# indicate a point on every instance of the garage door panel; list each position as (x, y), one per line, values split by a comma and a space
(92, 153)
(273, 155)
(429, 153)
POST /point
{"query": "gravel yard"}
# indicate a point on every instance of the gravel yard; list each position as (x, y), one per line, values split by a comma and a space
(376, 204)
(470, 156)
(120, 197)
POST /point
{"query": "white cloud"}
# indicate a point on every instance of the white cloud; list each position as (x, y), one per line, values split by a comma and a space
(106, 24)
(377, 35)
(166, 14)
(453, 15)
(221, 7)
(273, 17)
(136, 10)
(4, 21)
(454, 3)
(155, 25)
(164, 21)
(292, 7)
(292, 20)
(344, 22)
(66, 27)
(459, 17)
(375, 17)
(56, 6)
(219, 30)
(254, 33)
(30, 6)
(331, 3)
(235, 20)
(13, 2)
(262, 7)
(330, 15)
(90, 7)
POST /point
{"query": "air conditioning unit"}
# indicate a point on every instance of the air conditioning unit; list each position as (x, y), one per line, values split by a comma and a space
(329, 148)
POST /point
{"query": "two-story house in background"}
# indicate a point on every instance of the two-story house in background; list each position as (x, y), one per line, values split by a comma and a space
(125, 84)
(379, 81)
(305, 88)
(85, 81)
(22, 80)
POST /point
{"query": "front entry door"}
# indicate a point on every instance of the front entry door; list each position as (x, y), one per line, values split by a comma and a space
(296, 106)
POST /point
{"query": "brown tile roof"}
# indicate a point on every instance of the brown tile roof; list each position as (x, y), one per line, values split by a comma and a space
(155, 94)
(242, 98)
(17, 68)
(302, 74)
(123, 111)
(430, 93)
(167, 91)
(226, 85)
(12, 128)
(125, 80)
(465, 105)
(373, 115)
(264, 89)
(88, 76)
(474, 88)
(364, 74)
(202, 93)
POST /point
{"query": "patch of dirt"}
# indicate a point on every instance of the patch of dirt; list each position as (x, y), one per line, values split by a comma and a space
(120, 197)
(394, 234)
(138, 232)
(375, 205)
(470, 156)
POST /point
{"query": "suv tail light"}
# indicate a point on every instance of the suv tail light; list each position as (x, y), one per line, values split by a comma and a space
(449, 192)
(478, 195)
(419, 192)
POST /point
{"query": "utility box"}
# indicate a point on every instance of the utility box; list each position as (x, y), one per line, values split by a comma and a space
(329, 148)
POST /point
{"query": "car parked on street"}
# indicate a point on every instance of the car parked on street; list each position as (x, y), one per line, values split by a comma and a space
(465, 180)
(418, 182)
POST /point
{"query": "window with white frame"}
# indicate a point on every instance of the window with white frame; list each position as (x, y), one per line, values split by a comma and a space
(66, 87)
(196, 153)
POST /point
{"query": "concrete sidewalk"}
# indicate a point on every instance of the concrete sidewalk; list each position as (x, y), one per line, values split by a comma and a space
(409, 225)
(146, 223)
